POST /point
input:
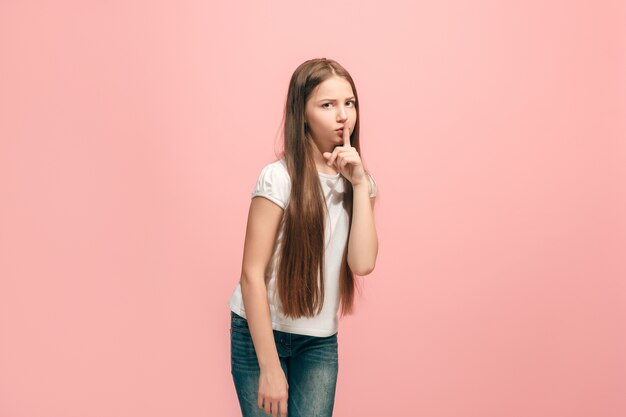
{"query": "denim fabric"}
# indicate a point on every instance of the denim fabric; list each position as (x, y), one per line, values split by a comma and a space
(310, 364)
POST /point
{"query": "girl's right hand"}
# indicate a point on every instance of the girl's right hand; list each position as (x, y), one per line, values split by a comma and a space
(273, 391)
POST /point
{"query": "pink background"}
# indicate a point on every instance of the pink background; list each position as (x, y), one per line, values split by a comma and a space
(132, 133)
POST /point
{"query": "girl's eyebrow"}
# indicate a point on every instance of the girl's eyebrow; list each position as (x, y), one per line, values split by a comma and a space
(332, 99)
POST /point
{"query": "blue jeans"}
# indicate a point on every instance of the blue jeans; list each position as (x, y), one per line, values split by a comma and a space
(310, 365)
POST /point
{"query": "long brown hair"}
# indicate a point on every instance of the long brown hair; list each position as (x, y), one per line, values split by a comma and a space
(299, 287)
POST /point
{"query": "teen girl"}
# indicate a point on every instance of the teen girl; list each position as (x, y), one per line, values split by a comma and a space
(305, 239)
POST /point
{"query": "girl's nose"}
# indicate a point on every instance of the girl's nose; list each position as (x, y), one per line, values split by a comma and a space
(341, 114)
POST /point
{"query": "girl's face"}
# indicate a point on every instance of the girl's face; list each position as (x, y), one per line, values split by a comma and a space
(330, 107)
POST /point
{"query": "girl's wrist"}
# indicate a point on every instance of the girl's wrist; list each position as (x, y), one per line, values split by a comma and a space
(360, 186)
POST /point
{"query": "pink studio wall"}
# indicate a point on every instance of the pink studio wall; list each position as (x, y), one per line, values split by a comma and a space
(132, 133)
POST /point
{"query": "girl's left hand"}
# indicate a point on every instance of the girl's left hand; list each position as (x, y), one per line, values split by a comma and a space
(347, 160)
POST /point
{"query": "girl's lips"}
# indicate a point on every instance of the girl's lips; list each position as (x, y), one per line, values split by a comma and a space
(340, 131)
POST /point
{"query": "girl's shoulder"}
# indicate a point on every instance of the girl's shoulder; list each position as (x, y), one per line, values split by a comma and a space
(276, 169)
(373, 187)
(274, 183)
(279, 164)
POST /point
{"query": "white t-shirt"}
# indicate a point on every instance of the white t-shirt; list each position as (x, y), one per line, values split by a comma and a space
(274, 184)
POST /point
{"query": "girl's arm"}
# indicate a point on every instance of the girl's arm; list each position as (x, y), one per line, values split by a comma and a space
(263, 222)
(363, 240)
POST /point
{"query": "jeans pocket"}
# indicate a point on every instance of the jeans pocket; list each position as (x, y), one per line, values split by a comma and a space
(242, 353)
(238, 323)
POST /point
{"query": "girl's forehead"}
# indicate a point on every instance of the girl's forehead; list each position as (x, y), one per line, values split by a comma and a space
(334, 87)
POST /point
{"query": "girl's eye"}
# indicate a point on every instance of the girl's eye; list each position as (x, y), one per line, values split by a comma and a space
(349, 101)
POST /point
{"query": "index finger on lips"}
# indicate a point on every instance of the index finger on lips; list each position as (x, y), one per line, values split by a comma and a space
(346, 135)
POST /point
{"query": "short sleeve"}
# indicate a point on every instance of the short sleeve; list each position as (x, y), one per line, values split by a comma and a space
(372, 185)
(273, 184)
